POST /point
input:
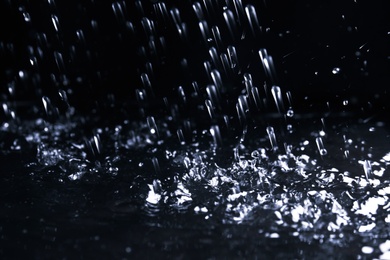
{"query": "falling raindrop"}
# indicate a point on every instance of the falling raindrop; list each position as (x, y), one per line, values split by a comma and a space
(336, 70)
(277, 95)
(321, 147)
(252, 18)
(290, 112)
(268, 65)
(231, 23)
(367, 169)
(272, 137)
(152, 126)
(56, 25)
(216, 134)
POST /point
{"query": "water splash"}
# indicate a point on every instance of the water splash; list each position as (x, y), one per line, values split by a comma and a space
(209, 153)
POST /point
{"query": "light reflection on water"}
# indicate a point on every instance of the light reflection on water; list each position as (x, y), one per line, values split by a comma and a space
(155, 181)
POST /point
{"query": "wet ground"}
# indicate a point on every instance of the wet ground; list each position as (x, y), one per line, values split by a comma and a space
(159, 198)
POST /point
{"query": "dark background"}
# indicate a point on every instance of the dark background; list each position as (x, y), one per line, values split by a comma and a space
(103, 64)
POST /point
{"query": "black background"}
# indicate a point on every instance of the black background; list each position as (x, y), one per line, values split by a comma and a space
(307, 40)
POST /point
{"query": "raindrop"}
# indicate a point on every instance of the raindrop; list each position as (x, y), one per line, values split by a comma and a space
(210, 108)
(94, 147)
(252, 19)
(231, 23)
(138, 5)
(242, 109)
(195, 87)
(213, 95)
(26, 17)
(321, 147)
(215, 58)
(232, 55)
(239, 8)
(226, 121)
(182, 95)
(336, 70)
(161, 9)
(225, 64)
(59, 61)
(64, 98)
(81, 37)
(207, 67)
(289, 98)
(54, 20)
(277, 95)
(217, 36)
(180, 135)
(198, 11)
(248, 82)
(268, 64)
(157, 170)
(217, 80)
(290, 112)
(204, 29)
(255, 154)
(272, 137)
(141, 96)
(152, 125)
(216, 134)
(209, 6)
(148, 26)
(50, 110)
(147, 83)
(256, 97)
(367, 169)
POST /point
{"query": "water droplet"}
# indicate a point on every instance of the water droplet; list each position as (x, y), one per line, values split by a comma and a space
(217, 80)
(290, 113)
(255, 154)
(217, 36)
(54, 20)
(231, 23)
(232, 55)
(268, 65)
(213, 95)
(367, 250)
(180, 135)
(198, 11)
(336, 70)
(152, 125)
(321, 147)
(215, 58)
(252, 19)
(210, 108)
(182, 95)
(367, 169)
(277, 95)
(204, 29)
(272, 137)
(27, 17)
(242, 109)
(51, 111)
(216, 134)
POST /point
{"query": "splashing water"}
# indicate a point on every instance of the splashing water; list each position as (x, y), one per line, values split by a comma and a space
(191, 143)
